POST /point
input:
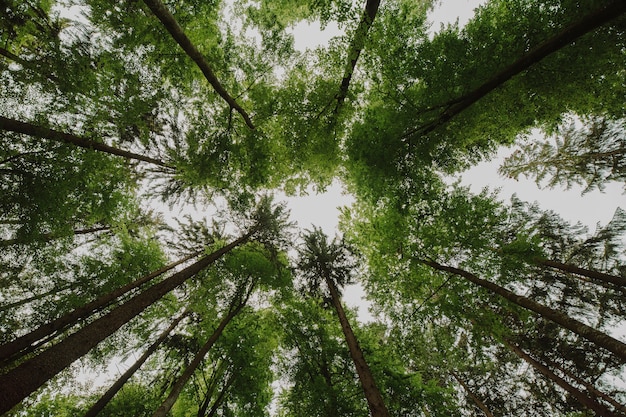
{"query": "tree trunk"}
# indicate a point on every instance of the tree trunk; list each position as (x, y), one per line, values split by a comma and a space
(47, 237)
(23, 380)
(220, 399)
(372, 393)
(110, 393)
(34, 298)
(54, 135)
(572, 269)
(167, 19)
(10, 350)
(356, 46)
(590, 388)
(166, 406)
(599, 338)
(473, 396)
(585, 400)
(562, 39)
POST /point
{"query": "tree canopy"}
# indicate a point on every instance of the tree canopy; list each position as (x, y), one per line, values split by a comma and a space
(142, 144)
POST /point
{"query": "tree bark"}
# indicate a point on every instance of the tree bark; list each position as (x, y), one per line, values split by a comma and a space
(166, 406)
(562, 39)
(16, 126)
(167, 19)
(582, 398)
(23, 380)
(572, 269)
(375, 401)
(599, 338)
(473, 396)
(356, 46)
(95, 409)
(10, 349)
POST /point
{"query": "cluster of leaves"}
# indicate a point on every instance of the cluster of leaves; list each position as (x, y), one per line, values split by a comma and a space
(116, 106)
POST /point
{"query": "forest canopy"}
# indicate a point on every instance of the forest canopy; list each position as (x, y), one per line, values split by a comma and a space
(115, 117)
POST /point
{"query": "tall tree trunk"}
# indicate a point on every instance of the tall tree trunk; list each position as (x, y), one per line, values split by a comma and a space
(10, 349)
(220, 398)
(233, 310)
(161, 11)
(27, 300)
(16, 126)
(95, 409)
(47, 237)
(23, 380)
(356, 46)
(375, 401)
(589, 273)
(582, 398)
(473, 396)
(590, 387)
(599, 338)
(588, 23)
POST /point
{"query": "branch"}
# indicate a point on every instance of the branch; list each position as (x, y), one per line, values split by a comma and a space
(172, 26)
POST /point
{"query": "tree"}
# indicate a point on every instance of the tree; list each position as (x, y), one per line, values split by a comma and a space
(591, 156)
(111, 111)
(330, 262)
(20, 382)
(99, 405)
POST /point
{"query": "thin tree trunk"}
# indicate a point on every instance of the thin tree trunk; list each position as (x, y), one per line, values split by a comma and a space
(572, 269)
(599, 338)
(95, 409)
(473, 396)
(33, 298)
(167, 19)
(23, 380)
(11, 349)
(582, 398)
(233, 310)
(562, 39)
(47, 237)
(356, 46)
(16, 126)
(590, 388)
(375, 401)
(26, 64)
(220, 399)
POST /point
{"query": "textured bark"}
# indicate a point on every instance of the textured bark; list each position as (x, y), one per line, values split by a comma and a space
(572, 269)
(169, 22)
(599, 338)
(374, 399)
(23, 380)
(56, 136)
(356, 46)
(582, 398)
(11, 349)
(168, 403)
(95, 409)
(473, 396)
(560, 40)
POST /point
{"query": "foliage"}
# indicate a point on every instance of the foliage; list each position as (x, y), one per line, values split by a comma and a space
(374, 108)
